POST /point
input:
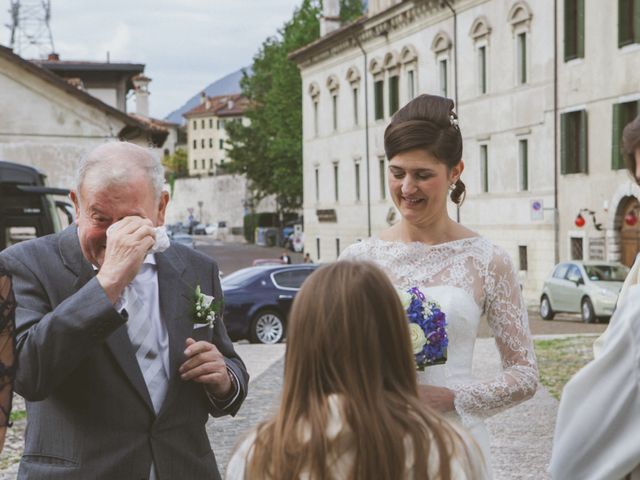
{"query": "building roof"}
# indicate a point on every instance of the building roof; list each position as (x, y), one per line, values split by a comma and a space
(227, 85)
(133, 128)
(91, 70)
(221, 106)
(88, 66)
(360, 30)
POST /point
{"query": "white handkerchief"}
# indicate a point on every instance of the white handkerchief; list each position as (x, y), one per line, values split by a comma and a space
(162, 239)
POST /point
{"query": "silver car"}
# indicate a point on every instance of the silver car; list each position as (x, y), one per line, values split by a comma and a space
(588, 288)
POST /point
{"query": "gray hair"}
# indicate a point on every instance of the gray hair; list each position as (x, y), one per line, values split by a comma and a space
(112, 163)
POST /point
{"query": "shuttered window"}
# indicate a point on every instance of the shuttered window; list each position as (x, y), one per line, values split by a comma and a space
(623, 113)
(573, 133)
(628, 22)
(394, 94)
(484, 169)
(573, 29)
(378, 94)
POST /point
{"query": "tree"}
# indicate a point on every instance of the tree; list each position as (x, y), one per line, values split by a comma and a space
(175, 166)
(268, 148)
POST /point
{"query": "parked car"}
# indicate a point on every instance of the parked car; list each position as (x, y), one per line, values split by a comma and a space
(184, 239)
(588, 288)
(267, 261)
(257, 300)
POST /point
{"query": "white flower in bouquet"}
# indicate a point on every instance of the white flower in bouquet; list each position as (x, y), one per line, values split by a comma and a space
(405, 298)
(418, 338)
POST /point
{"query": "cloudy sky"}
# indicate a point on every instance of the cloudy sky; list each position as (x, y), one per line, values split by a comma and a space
(185, 44)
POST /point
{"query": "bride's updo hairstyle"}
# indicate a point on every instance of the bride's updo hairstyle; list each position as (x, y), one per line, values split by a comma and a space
(428, 122)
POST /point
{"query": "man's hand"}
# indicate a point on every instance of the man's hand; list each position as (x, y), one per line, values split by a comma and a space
(438, 398)
(205, 364)
(128, 243)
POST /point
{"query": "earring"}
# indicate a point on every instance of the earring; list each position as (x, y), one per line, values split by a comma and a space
(452, 187)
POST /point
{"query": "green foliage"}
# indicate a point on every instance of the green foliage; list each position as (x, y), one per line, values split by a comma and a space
(176, 163)
(560, 359)
(268, 148)
(350, 10)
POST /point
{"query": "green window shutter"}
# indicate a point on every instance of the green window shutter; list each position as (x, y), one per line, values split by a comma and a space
(394, 94)
(378, 99)
(616, 155)
(564, 143)
(580, 19)
(623, 22)
(636, 21)
(583, 166)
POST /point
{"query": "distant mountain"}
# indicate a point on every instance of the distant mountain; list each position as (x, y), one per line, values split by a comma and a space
(225, 86)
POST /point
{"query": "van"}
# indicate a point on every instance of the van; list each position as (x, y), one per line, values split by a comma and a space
(28, 208)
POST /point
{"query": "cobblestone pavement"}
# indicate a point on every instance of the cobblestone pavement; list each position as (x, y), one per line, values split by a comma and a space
(521, 436)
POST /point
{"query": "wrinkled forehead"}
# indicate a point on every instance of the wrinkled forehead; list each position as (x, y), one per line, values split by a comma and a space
(132, 184)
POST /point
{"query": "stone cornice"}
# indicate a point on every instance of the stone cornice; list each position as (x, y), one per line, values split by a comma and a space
(365, 29)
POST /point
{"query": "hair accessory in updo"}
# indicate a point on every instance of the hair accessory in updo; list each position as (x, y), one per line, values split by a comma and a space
(454, 120)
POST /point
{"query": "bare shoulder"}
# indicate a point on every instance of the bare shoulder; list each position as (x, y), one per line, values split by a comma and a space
(460, 232)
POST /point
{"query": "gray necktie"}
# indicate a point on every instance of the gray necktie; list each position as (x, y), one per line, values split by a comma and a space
(144, 339)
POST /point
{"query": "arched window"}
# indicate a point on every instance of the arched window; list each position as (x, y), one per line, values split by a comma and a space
(409, 60)
(314, 93)
(520, 19)
(376, 70)
(353, 77)
(441, 47)
(479, 33)
(333, 84)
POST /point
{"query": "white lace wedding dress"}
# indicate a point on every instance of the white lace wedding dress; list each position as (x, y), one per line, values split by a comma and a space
(468, 278)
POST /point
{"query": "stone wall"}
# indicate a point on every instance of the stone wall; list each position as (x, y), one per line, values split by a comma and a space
(222, 198)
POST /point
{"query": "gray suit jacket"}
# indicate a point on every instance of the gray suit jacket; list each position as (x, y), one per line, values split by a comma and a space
(89, 412)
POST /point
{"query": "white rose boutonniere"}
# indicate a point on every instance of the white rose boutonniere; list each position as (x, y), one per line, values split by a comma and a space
(205, 308)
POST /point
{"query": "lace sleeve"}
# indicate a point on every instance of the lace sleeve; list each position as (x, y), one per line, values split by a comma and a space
(7, 347)
(507, 316)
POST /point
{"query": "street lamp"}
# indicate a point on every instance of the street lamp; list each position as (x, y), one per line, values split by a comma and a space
(580, 220)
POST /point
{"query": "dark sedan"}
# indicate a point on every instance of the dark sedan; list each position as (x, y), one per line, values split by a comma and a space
(257, 300)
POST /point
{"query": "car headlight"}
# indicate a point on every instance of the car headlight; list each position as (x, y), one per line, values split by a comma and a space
(607, 293)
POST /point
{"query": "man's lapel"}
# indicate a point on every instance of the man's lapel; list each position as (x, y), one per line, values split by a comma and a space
(118, 342)
(174, 289)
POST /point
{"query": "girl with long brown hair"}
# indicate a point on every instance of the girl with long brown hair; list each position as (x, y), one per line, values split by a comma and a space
(350, 406)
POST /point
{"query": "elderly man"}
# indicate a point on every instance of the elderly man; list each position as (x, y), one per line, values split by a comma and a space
(119, 380)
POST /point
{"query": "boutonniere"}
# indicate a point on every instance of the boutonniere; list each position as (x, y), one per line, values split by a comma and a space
(205, 308)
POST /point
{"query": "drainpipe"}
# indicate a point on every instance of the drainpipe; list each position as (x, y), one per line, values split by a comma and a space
(556, 211)
(366, 132)
(455, 70)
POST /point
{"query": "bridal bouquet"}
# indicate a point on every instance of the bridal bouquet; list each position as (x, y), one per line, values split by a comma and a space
(427, 326)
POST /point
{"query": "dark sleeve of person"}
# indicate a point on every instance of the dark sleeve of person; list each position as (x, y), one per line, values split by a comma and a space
(7, 349)
(231, 405)
(52, 341)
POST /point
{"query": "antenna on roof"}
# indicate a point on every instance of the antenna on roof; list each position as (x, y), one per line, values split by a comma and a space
(30, 29)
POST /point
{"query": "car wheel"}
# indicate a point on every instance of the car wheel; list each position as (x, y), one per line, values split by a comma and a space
(267, 327)
(588, 313)
(546, 312)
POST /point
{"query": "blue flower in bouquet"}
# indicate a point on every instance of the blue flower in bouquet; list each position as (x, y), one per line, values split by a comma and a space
(427, 326)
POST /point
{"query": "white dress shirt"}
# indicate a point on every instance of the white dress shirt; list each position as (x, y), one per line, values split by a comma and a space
(146, 286)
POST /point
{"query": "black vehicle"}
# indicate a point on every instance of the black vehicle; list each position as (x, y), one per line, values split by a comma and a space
(257, 300)
(27, 208)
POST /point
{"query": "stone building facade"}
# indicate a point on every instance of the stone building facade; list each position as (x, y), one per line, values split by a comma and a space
(206, 132)
(507, 71)
(50, 123)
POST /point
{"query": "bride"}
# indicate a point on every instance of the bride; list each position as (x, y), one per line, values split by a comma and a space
(464, 273)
